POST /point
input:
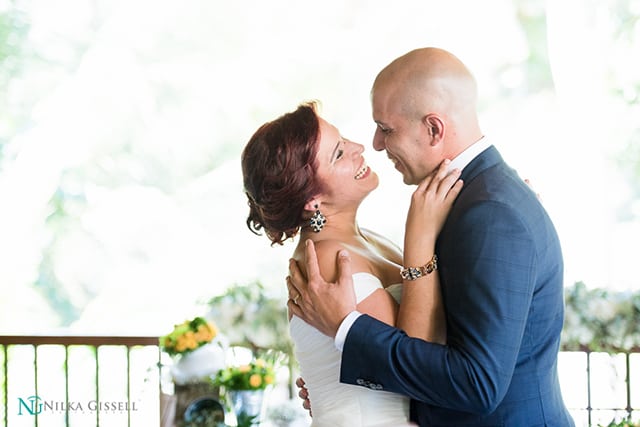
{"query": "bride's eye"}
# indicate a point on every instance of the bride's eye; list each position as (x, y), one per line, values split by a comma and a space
(338, 153)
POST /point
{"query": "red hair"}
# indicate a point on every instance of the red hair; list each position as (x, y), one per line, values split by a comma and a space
(279, 172)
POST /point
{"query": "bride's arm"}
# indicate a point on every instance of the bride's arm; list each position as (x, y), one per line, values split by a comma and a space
(381, 305)
(421, 312)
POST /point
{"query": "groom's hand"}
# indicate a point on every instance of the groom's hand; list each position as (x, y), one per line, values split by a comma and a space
(303, 394)
(321, 304)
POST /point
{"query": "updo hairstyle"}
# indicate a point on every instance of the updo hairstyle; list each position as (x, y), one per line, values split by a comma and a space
(279, 172)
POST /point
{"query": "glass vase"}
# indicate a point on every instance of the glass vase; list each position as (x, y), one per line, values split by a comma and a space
(247, 406)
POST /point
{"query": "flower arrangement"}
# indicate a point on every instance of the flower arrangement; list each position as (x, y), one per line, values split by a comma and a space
(256, 375)
(188, 336)
(256, 319)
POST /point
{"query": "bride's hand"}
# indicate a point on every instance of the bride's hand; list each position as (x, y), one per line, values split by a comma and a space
(430, 205)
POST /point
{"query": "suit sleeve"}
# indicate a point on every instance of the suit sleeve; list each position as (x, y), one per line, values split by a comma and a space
(488, 269)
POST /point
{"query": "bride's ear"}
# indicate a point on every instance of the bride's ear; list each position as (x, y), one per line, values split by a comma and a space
(312, 205)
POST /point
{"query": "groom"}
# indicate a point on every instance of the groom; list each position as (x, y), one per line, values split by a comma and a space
(499, 261)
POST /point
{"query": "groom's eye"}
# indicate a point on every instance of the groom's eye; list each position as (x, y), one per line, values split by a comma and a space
(339, 154)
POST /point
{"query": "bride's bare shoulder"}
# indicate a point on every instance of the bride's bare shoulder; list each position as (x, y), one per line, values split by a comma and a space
(327, 253)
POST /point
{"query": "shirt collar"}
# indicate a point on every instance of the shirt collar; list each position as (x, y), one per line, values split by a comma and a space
(464, 158)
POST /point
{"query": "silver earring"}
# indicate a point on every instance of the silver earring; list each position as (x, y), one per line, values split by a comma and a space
(317, 220)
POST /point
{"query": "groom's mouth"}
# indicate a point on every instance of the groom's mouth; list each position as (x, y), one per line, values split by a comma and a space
(396, 164)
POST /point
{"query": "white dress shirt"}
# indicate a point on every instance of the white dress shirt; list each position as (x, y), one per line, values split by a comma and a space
(459, 162)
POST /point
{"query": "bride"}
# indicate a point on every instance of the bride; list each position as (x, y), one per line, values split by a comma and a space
(302, 177)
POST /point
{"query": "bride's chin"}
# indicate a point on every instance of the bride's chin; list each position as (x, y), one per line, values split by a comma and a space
(373, 188)
(375, 179)
(373, 183)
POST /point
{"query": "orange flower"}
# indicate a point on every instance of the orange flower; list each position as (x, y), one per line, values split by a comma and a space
(269, 379)
(181, 345)
(255, 380)
(188, 336)
(256, 375)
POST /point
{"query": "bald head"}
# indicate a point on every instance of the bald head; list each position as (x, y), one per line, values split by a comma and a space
(432, 80)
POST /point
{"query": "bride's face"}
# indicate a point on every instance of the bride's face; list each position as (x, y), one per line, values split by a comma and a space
(343, 170)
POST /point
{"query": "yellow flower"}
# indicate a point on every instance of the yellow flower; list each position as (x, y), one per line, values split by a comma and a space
(255, 380)
(214, 330)
(200, 336)
(244, 368)
(205, 333)
(269, 379)
(188, 336)
(181, 345)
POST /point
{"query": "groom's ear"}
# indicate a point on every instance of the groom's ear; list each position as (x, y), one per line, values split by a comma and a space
(434, 126)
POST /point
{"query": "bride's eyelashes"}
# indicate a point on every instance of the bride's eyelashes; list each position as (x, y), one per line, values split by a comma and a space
(339, 151)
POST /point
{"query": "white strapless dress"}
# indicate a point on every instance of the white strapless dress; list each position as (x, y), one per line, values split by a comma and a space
(335, 404)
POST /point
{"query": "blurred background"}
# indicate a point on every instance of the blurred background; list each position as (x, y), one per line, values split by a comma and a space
(122, 124)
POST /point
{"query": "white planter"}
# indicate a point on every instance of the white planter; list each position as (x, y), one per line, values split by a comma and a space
(200, 364)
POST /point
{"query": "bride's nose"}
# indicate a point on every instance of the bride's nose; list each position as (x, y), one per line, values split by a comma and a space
(358, 149)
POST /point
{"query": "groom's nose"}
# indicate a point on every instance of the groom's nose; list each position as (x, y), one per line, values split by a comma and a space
(379, 140)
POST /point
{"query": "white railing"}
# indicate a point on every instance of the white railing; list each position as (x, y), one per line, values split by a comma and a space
(79, 380)
(44, 381)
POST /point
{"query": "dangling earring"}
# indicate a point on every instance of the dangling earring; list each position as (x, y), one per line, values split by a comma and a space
(317, 220)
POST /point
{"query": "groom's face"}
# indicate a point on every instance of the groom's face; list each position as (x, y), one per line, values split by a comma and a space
(406, 140)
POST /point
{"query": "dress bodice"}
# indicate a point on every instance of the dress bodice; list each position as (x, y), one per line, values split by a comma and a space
(335, 404)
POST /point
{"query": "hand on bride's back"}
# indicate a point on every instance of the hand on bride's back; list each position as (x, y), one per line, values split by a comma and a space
(303, 394)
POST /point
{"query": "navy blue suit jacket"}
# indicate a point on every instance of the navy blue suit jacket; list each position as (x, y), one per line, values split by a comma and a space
(501, 273)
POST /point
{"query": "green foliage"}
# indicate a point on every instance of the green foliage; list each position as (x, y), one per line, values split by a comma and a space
(64, 212)
(625, 87)
(250, 317)
(13, 33)
(629, 159)
(624, 423)
(600, 319)
(256, 375)
(246, 420)
(533, 20)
